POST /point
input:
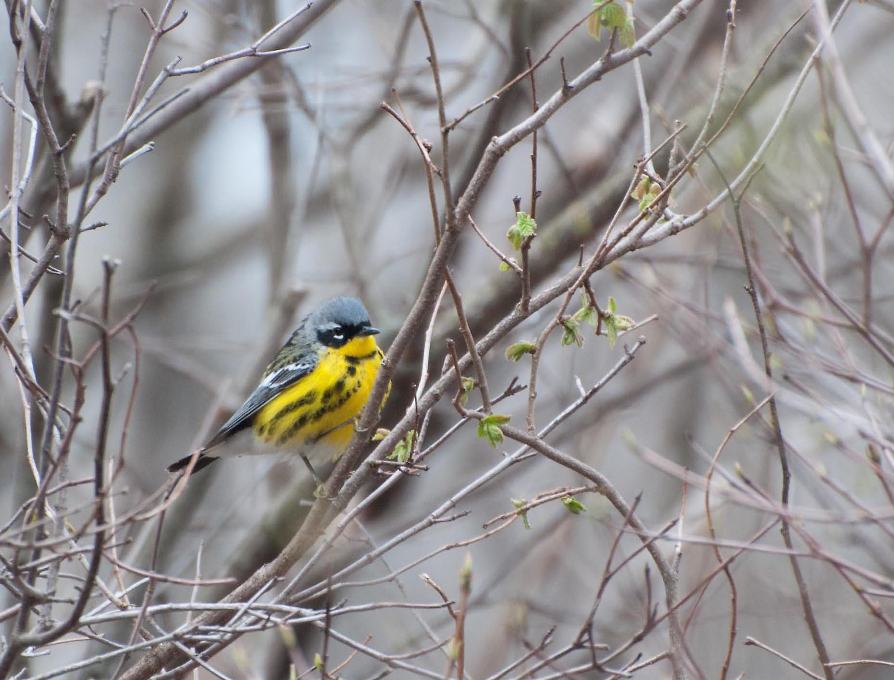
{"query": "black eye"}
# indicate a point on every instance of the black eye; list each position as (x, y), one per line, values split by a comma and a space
(334, 337)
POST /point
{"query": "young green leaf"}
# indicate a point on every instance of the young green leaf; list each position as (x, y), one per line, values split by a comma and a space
(574, 506)
(518, 504)
(610, 324)
(615, 323)
(623, 323)
(613, 15)
(526, 224)
(517, 350)
(504, 267)
(524, 227)
(404, 448)
(467, 387)
(489, 428)
(380, 434)
(571, 335)
(642, 188)
(594, 25)
(649, 194)
(627, 34)
(586, 313)
(465, 573)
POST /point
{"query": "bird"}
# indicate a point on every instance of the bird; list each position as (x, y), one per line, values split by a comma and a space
(309, 394)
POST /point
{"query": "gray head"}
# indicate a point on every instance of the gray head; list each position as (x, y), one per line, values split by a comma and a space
(339, 320)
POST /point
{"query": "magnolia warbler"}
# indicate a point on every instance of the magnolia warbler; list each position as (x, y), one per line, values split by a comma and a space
(310, 393)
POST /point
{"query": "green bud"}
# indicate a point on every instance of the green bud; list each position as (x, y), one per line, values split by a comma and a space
(571, 335)
(519, 504)
(525, 227)
(574, 506)
(465, 573)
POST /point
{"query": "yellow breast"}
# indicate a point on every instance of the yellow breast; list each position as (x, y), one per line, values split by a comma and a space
(320, 408)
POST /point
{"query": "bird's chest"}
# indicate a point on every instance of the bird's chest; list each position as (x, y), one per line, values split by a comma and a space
(318, 411)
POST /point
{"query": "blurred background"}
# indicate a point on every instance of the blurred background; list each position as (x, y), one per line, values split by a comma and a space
(294, 186)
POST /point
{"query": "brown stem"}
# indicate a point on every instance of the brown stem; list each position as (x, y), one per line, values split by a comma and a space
(785, 530)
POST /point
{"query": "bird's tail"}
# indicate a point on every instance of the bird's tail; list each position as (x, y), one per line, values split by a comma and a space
(203, 461)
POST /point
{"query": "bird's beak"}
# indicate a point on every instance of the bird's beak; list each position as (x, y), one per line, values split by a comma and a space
(369, 330)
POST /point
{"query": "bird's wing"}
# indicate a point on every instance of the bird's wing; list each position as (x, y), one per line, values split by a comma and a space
(274, 382)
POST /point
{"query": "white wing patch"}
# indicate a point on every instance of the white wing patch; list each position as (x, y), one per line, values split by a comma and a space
(273, 378)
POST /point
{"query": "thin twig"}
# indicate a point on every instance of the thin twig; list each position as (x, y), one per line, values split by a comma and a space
(806, 604)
